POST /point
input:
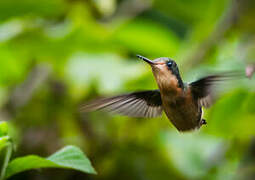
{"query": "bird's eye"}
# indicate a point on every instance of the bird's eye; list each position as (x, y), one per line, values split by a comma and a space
(169, 63)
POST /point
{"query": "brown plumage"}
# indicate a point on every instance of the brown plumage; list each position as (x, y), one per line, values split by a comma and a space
(182, 102)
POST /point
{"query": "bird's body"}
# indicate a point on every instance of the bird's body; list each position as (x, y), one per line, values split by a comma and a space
(177, 101)
(182, 102)
(180, 107)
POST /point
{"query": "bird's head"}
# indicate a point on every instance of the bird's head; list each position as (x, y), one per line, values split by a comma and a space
(165, 70)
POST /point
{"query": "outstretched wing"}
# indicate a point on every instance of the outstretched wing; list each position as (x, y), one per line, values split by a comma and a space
(202, 89)
(137, 104)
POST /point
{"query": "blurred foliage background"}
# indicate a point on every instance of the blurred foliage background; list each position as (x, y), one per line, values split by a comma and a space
(58, 54)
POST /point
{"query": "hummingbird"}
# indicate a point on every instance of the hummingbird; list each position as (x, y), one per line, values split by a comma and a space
(181, 102)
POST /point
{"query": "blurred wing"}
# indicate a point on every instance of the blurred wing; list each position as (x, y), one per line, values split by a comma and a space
(137, 104)
(202, 89)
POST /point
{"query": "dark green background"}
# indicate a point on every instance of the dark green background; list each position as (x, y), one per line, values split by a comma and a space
(57, 54)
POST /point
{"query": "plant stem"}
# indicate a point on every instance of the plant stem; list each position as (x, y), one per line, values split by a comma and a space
(6, 160)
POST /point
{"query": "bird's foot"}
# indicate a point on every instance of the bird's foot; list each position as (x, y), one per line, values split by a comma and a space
(203, 122)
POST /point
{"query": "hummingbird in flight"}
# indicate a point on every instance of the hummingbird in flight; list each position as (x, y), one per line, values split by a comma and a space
(181, 102)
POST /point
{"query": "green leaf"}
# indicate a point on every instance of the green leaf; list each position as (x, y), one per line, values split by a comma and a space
(70, 157)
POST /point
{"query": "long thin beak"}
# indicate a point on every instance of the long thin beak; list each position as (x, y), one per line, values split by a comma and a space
(145, 59)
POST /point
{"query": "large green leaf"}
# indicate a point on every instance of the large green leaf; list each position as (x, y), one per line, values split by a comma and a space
(69, 157)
